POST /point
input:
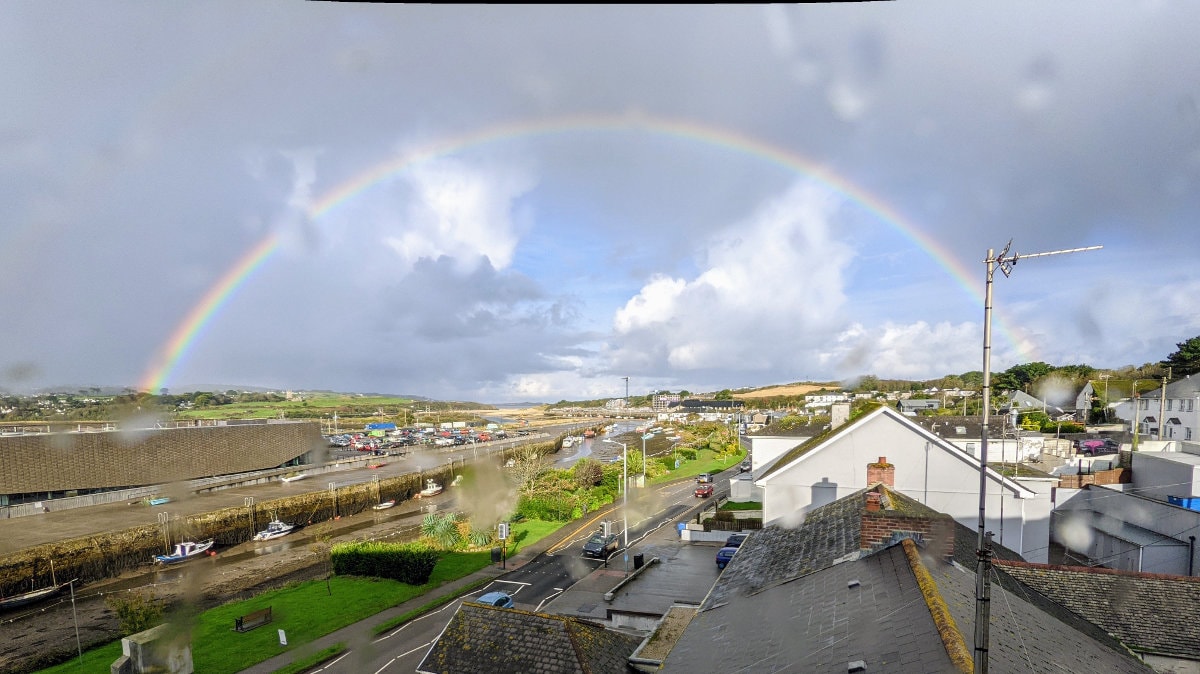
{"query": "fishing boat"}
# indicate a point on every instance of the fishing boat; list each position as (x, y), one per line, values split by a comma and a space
(292, 477)
(275, 529)
(384, 506)
(184, 551)
(431, 489)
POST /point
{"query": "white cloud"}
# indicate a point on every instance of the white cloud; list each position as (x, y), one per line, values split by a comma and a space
(777, 276)
(459, 211)
(914, 350)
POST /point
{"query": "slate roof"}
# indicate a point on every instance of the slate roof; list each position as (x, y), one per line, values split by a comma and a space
(1149, 612)
(1180, 388)
(786, 602)
(509, 641)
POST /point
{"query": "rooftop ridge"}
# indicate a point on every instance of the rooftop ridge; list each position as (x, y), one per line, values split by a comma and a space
(952, 638)
(1098, 570)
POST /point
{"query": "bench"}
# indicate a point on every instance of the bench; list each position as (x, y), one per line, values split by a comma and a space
(251, 620)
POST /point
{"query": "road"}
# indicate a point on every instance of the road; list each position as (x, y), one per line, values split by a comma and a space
(533, 586)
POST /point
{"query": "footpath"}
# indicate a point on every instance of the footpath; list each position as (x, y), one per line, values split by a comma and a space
(362, 632)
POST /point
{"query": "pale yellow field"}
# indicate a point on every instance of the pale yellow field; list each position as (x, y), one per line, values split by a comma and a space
(790, 390)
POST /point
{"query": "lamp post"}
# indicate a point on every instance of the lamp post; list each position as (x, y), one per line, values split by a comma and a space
(1005, 263)
(625, 495)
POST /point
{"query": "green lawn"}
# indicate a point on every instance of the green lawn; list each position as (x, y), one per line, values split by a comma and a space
(706, 461)
(305, 611)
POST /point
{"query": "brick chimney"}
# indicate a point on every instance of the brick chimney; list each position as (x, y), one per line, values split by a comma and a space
(881, 471)
(874, 502)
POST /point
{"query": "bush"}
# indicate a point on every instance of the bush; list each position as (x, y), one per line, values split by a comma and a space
(135, 611)
(406, 562)
(688, 454)
(551, 507)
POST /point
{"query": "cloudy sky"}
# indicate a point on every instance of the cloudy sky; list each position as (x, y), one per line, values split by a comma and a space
(523, 203)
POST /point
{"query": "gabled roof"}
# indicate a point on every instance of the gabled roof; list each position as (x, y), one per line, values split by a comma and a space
(1149, 612)
(807, 600)
(509, 641)
(1181, 388)
(830, 437)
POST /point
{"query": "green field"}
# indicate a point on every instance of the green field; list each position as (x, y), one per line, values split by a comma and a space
(707, 461)
(315, 406)
(306, 611)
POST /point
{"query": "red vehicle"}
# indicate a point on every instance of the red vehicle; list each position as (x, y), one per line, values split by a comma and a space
(484, 437)
(704, 491)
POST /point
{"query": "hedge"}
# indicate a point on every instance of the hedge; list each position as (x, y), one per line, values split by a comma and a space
(406, 562)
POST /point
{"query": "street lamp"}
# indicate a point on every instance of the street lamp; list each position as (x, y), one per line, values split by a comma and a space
(625, 492)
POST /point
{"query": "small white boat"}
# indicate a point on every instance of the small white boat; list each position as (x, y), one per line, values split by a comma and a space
(184, 551)
(293, 477)
(275, 529)
(431, 489)
(384, 506)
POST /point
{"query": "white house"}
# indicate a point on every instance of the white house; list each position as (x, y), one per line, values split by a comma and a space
(927, 469)
(1177, 412)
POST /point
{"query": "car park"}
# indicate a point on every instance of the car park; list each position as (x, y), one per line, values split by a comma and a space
(724, 555)
(601, 546)
(704, 491)
(499, 599)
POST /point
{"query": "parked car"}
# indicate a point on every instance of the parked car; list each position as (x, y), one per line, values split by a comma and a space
(704, 490)
(735, 540)
(704, 478)
(601, 547)
(501, 599)
(724, 555)
(1097, 446)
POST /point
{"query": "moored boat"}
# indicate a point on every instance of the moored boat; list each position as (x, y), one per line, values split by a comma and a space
(431, 489)
(184, 551)
(25, 598)
(384, 506)
(275, 529)
(292, 477)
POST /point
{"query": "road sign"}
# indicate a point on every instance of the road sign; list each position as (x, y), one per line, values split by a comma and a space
(502, 531)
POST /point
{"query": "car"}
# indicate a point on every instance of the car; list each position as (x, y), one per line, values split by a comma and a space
(735, 540)
(745, 467)
(600, 546)
(704, 478)
(724, 555)
(704, 491)
(500, 599)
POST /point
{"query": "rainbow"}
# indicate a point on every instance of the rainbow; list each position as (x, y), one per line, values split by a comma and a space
(192, 326)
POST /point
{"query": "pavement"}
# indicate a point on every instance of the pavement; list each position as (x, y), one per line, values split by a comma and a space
(682, 573)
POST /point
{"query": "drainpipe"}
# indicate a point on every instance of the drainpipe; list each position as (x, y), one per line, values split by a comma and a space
(1191, 552)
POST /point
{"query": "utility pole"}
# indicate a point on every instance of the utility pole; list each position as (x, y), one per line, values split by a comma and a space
(626, 390)
(1162, 405)
(983, 567)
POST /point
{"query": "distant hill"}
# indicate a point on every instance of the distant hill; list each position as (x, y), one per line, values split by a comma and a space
(785, 390)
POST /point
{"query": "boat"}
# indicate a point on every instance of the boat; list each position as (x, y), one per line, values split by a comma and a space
(30, 597)
(431, 489)
(589, 433)
(275, 529)
(384, 506)
(293, 477)
(161, 500)
(184, 551)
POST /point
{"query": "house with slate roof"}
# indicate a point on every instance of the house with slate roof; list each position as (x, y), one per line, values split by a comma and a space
(496, 640)
(926, 467)
(1175, 410)
(876, 582)
(1155, 615)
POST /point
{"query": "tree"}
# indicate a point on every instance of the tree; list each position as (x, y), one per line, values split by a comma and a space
(1186, 360)
(527, 465)
(723, 394)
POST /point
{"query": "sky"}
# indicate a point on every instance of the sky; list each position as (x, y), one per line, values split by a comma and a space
(503, 204)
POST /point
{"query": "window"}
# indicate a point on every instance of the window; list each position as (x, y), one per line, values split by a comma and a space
(1190, 401)
(1169, 401)
(1187, 433)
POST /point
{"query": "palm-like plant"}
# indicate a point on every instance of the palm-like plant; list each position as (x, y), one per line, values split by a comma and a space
(442, 529)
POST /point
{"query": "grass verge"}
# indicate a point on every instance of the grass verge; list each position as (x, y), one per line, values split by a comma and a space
(745, 505)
